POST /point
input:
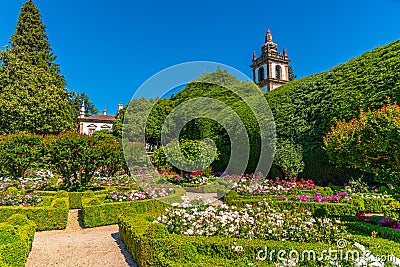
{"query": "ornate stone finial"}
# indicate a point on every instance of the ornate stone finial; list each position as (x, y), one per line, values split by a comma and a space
(104, 111)
(284, 52)
(268, 36)
(254, 56)
(120, 106)
(82, 110)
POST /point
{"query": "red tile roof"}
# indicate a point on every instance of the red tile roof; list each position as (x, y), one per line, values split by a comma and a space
(98, 118)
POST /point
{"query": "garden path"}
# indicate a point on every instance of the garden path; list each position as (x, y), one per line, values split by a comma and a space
(211, 197)
(79, 247)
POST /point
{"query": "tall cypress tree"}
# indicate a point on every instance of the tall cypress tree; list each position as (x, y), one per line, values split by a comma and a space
(33, 97)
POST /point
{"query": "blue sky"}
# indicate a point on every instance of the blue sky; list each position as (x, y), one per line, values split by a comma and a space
(109, 48)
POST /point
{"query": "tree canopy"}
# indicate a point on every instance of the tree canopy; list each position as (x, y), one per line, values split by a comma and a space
(33, 97)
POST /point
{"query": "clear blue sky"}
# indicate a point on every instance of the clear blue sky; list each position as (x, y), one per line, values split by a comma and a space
(109, 48)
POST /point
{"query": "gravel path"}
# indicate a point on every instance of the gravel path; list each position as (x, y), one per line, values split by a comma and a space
(79, 247)
(211, 197)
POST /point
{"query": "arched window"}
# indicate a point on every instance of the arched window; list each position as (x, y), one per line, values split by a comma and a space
(278, 72)
(260, 74)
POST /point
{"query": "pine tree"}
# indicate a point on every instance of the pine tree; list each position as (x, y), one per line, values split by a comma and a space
(33, 97)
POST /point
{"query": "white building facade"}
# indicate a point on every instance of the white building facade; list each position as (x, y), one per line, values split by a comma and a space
(89, 125)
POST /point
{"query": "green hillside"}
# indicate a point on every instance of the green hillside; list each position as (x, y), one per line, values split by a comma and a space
(305, 109)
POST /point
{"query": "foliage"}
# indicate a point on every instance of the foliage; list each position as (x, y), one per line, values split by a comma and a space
(289, 159)
(187, 155)
(77, 157)
(305, 109)
(51, 214)
(13, 197)
(367, 228)
(255, 185)
(220, 85)
(369, 144)
(19, 152)
(32, 92)
(260, 221)
(152, 245)
(17, 234)
(292, 76)
(76, 99)
(97, 212)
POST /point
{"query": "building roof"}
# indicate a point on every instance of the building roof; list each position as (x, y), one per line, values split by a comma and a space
(98, 118)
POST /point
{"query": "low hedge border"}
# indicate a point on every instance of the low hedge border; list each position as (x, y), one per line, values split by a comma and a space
(52, 216)
(151, 245)
(385, 205)
(367, 229)
(16, 237)
(95, 212)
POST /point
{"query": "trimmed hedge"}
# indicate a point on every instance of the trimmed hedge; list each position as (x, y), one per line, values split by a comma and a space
(16, 237)
(95, 212)
(152, 245)
(387, 205)
(75, 198)
(367, 229)
(52, 216)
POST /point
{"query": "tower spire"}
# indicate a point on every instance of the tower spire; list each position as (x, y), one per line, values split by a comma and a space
(254, 56)
(82, 110)
(268, 36)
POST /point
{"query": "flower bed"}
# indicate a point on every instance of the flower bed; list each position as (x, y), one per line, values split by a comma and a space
(98, 211)
(132, 195)
(51, 213)
(151, 244)
(13, 197)
(379, 220)
(260, 221)
(36, 180)
(256, 186)
(16, 237)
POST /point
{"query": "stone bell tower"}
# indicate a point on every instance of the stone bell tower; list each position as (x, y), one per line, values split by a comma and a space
(271, 69)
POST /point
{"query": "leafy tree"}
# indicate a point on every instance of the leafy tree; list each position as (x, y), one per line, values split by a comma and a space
(33, 97)
(117, 124)
(76, 99)
(289, 158)
(19, 152)
(187, 156)
(76, 157)
(370, 143)
(292, 76)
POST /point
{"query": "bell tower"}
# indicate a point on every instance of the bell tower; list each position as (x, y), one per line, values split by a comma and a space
(271, 69)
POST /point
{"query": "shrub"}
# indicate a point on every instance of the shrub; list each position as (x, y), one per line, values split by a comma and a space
(187, 155)
(368, 144)
(19, 152)
(16, 237)
(77, 157)
(96, 212)
(152, 245)
(53, 214)
(289, 158)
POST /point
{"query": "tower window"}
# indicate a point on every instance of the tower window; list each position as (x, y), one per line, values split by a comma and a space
(278, 72)
(260, 74)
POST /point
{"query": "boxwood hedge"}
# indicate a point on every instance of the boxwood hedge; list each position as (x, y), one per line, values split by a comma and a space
(16, 237)
(152, 245)
(97, 212)
(51, 214)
